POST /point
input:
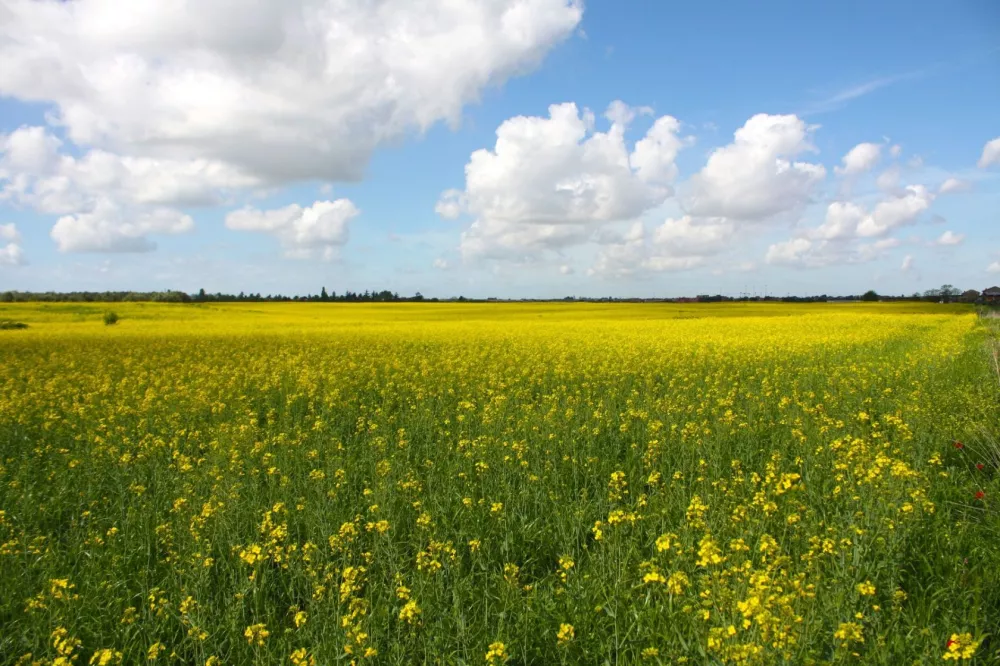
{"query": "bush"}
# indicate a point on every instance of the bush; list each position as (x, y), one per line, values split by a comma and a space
(8, 325)
(110, 318)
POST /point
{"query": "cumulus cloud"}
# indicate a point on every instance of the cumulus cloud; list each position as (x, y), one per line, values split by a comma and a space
(793, 252)
(953, 185)
(549, 183)
(949, 238)
(842, 219)
(108, 228)
(676, 245)
(441, 264)
(174, 103)
(8, 232)
(302, 232)
(284, 89)
(10, 253)
(754, 177)
(895, 212)
(994, 267)
(907, 265)
(859, 159)
(991, 154)
(566, 269)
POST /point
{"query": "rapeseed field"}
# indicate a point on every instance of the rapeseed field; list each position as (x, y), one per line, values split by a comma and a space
(315, 484)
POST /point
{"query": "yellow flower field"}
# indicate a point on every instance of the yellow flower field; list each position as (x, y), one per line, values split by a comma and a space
(496, 483)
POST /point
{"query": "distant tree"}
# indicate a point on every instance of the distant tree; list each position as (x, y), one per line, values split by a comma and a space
(323, 296)
(869, 295)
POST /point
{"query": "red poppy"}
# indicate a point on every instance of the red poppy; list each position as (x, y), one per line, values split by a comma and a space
(949, 643)
(979, 466)
(980, 494)
(958, 445)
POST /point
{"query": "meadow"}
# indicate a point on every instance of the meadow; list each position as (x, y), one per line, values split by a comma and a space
(316, 484)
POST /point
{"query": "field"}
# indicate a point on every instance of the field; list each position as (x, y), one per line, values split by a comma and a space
(316, 484)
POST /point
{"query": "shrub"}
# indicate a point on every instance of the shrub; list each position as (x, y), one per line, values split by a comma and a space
(8, 325)
(110, 318)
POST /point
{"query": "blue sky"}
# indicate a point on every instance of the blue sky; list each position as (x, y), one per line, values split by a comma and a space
(158, 145)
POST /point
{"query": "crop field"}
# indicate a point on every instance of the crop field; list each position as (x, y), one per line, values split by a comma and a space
(317, 484)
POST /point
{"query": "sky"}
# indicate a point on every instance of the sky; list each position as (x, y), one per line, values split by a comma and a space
(500, 148)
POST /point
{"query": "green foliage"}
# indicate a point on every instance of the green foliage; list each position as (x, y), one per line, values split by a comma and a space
(10, 325)
(110, 318)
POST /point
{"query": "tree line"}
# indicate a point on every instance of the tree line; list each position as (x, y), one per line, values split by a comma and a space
(173, 296)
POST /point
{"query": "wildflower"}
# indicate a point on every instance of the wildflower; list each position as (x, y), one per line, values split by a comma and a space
(866, 588)
(979, 495)
(410, 613)
(104, 657)
(849, 632)
(665, 541)
(154, 651)
(677, 582)
(650, 653)
(301, 657)
(960, 646)
(958, 445)
(497, 653)
(566, 633)
(654, 577)
(300, 618)
(256, 633)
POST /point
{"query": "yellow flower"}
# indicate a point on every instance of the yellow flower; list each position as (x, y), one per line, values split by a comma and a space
(300, 618)
(154, 651)
(566, 633)
(497, 652)
(677, 582)
(665, 541)
(105, 656)
(961, 646)
(654, 577)
(256, 633)
(849, 632)
(301, 657)
(866, 588)
(410, 613)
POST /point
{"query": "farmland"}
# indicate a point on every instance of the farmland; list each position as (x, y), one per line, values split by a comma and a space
(497, 483)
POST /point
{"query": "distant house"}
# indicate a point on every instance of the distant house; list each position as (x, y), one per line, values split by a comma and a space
(991, 295)
(970, 296)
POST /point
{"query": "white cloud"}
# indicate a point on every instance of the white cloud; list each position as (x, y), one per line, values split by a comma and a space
(34, 172)
(896, 150)
(994, 267)
(687, 237)
(108, 228)
(283, 89)
(8, 232)
(907, 265)
(450, 205)
(991, 154)
(886, 243)
(753, 178)
(551, 182)
(320, 227)
(842, 219)
(441, 264)
(181, 103)
(859, 159)
(566, 269)
(953, 185)
(792, 252)
(11, 254)
(897, 211)
(949, 238)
